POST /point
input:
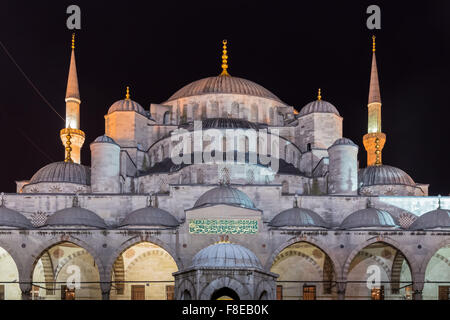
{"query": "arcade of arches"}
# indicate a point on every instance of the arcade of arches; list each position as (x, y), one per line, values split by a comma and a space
(144, 271)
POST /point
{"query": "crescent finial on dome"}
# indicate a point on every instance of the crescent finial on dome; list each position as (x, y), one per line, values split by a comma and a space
(319, 97)
(224, 59)
(68, 147)
(127, 95)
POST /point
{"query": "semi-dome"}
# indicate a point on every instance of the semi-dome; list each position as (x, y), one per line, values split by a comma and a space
(61, 171)
(298, 217)
(149, 216)
(223, 84)
(318, 106)
(14, 219)
(383, 175)
(439, 218)
(343, 141)
(224, 123)
(127, 105)
(104, 139)
(226, 255)
(225, 195)
(75, 216)
(369, 218)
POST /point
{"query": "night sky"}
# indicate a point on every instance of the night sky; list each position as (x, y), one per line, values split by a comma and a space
(156, 47)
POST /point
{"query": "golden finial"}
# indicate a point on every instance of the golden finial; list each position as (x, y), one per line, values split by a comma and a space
(224, 59)
(68, 147)
(73, 40)
(127, 95)
(319, 97)
(373, 43)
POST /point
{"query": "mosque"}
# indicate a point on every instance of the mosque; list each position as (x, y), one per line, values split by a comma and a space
(285, 213)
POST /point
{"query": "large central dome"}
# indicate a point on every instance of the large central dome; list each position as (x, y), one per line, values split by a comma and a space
(223, 84)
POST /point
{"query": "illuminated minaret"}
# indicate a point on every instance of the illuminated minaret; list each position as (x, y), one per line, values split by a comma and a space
(374, 139)
(73, 111)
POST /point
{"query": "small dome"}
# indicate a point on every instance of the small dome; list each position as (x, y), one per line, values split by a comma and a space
(318, 106)
(127, 105)
(225, 195)
(226, 255)
(61, 171)
(439, 218)
(223, 123)
(75, 216)
(223, 84)
(369, 218)
(104, 139)
(382, 175)
(343, 141)
(298, 217)
(14, 219)
(149, 216)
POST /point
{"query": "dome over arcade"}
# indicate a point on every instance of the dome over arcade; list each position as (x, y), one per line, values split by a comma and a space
(127, 105)
(13, 219)
(62, 171)
(298, 217)
(223, 84)
(369, 218)
(75, 216)
(149, 216)
(383, 175)
(225, 255)
(435, 219)
(225, 195)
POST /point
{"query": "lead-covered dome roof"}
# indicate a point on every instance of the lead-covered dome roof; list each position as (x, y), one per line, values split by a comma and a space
(61, 171)
(298, 217)
(225, 195)
(104, 139)
(223, 84)
(75, 216)
(439, 218)
(344, 142)
(13, 219)
(127, 105)
(383, 175)
(225, 255)
(318, 106)
(369, 218)
(149, 216)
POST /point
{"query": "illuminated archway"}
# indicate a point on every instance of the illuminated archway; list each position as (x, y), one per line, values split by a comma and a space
(66, 271)
(225, 293)
(9, 277)
(379, 271)
(437, 276)
(305, 272)
(143, 271)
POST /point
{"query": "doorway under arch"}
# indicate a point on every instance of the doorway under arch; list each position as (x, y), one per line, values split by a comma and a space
(225, 294)
(143, 271)
(9, 277)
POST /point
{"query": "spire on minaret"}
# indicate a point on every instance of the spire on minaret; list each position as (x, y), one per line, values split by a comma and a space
(72, 130)
(374, 88)
(72, 81)
(374, 140)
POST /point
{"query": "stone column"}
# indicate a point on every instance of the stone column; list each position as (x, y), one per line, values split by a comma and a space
(106, 290)
(341, 287)
(25, 287)
(417, 290)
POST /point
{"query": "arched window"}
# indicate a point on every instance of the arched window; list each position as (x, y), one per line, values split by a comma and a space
(166, 117)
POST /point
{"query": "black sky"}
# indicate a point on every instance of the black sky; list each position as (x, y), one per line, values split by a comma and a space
(289, 47)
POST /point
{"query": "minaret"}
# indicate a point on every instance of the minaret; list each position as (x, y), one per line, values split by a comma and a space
(73, 111)
(374, 139)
